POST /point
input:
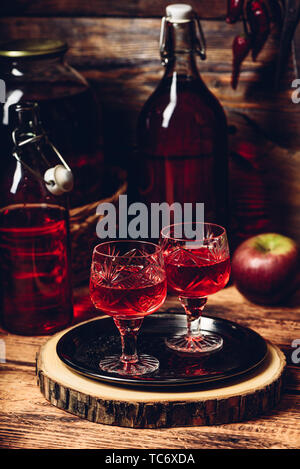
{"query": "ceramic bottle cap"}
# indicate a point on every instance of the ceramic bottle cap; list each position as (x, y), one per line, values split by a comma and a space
(59, 180)
(179, 12)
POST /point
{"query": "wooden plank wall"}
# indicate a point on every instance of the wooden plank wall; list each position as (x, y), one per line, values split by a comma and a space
(114, 44)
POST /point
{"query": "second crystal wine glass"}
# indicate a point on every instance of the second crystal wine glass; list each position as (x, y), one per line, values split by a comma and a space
(196, 267)
(128, 282)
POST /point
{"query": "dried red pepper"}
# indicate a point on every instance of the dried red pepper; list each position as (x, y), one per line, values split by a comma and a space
(259, 22)
(240, 49)
(234, 10)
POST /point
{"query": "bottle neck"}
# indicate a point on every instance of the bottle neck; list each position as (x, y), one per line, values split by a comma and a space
(26, 136)
(180, 50)
(184, 66)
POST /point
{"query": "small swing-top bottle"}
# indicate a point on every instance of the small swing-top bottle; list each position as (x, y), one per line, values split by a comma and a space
(36, 288)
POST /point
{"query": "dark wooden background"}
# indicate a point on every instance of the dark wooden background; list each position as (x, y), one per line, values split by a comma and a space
(114, 44)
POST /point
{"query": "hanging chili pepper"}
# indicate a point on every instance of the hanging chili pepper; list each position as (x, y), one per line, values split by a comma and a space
(259, 22)
(234, 10)
(240, 49)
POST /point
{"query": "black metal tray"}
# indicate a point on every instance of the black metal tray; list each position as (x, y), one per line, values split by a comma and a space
(82, 347)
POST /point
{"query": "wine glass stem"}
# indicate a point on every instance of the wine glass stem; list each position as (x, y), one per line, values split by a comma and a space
(129, 329)
(193, 327)
(193, 308)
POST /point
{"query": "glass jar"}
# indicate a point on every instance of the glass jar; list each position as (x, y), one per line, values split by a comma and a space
(36, 70)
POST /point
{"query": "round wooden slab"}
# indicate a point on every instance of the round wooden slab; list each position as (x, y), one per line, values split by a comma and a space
(244, 398)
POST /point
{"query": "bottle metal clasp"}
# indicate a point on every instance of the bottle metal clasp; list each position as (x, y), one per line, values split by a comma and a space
(201, 44)
(58, 179)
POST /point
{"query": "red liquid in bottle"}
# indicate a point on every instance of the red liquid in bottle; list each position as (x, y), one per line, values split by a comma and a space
(195, 273)
(128, 297)
(36, 288)
(185, 161)
(182, 135)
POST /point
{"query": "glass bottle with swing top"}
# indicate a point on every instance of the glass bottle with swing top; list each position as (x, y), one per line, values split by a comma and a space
(182, 128)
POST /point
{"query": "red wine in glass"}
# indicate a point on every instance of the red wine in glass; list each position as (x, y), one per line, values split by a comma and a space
(196, 268)
(127, 298)
(128, 282)
(196, 272)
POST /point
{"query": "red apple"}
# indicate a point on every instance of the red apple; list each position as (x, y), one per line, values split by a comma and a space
(264, 268)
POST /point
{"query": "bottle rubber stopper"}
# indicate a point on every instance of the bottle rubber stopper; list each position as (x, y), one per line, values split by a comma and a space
(59, 180)
(179, 12)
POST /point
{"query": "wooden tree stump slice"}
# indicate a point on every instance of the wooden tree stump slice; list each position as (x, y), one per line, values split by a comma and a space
(246, 397)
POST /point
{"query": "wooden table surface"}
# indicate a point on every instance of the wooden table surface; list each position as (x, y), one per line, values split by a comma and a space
(28, 421)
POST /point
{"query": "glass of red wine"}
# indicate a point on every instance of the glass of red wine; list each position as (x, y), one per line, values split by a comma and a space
(128, 282)
(197, 264)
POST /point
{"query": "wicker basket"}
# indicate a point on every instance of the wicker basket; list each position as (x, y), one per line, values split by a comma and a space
(83, 221)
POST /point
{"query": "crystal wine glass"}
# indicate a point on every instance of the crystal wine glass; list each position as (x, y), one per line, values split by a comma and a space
(196, 267)
(128, 282)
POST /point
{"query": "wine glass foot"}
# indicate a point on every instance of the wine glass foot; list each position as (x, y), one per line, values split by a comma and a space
(145, 364)
(204, 344)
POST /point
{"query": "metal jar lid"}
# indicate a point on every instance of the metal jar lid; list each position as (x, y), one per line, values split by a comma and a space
(22, 48)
